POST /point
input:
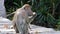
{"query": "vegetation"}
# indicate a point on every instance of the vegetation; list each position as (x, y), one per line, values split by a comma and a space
(48, 13)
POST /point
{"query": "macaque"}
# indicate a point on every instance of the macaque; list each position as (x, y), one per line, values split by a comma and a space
(22, 18)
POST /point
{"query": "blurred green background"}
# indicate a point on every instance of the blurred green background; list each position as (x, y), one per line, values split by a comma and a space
(48, 13)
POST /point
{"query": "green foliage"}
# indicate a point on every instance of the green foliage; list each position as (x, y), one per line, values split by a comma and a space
(9, 7)
(45, 10)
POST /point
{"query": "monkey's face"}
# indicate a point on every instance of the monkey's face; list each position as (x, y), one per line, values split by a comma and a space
(27, 7)
(28, 10)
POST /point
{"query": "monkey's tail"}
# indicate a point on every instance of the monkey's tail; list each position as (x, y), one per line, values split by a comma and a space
(10, 14)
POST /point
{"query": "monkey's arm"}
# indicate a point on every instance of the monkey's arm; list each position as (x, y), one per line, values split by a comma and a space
(31, 18)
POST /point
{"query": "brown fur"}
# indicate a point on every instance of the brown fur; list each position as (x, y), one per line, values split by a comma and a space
(22, 13)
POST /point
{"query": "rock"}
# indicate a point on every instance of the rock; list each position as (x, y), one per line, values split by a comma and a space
(51, 32)
(5, 23)
(7, 31)
(42, 30)
(35, 28)
(2, 9)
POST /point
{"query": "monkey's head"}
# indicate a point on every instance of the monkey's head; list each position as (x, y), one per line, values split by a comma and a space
(27, 8)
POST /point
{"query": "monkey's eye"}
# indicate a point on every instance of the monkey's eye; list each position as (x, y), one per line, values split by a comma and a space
(24, 7)
(27, 7)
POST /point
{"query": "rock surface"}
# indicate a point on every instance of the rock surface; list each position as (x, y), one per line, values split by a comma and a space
(5, 25)
(42, 30)
(2, 9)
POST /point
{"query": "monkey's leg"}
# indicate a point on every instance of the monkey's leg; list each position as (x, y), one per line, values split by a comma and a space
(19, 27)
(25, 27)
(22, 26)
(16, 29)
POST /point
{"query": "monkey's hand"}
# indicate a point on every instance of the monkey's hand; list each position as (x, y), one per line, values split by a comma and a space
(34, 14)
(31, 18)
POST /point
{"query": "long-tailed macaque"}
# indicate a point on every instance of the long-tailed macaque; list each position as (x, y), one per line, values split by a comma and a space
(23, 16)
